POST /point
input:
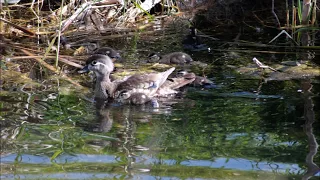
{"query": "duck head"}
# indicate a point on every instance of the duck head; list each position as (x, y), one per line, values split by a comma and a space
(154, 57)
(101, 65)
(113, 54)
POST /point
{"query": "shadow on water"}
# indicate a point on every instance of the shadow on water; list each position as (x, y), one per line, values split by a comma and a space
(244, 128)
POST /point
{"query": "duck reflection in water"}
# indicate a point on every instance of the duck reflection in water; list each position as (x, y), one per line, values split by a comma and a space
(103, 116)
(125, 118)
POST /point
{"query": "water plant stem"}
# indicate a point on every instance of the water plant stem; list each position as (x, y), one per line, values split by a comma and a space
(59, 35)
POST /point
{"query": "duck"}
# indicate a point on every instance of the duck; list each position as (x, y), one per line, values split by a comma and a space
(204, 82)
(193, 42)
(134, 98)
(168, 89)
(135, 85)
(199, 81)
(179, 58)
(112, 53)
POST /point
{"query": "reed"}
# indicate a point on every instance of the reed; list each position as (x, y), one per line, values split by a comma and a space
(303, 19)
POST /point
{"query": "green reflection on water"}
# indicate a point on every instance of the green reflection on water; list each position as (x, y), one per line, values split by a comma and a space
(195, 129)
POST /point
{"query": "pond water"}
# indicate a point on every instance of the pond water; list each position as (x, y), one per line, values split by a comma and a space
(243, 128)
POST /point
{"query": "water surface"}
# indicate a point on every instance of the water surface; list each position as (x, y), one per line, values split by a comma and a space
(243, 128)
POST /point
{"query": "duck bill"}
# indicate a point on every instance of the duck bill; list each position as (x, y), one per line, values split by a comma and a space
(85, 69)
(117, 57)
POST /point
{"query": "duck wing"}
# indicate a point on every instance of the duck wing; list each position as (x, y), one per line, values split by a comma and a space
(172, 84)
(179, 82)
(146, 84)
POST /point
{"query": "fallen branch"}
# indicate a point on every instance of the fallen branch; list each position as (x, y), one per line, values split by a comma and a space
(70, 63)
(18, 27)
(51, 68)
(61, 59)
(84, 7)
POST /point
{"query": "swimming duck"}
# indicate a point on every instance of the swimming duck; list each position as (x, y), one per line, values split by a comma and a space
(112, 53)
(203, 82)
(102, 66)
(193, 42)
(169, 87)
(134, 98)
(199, 81)
(171, 58)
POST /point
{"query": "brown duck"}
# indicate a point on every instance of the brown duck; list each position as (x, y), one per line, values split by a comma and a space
(144, 84)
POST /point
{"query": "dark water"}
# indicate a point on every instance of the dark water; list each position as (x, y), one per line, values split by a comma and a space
(243, 128)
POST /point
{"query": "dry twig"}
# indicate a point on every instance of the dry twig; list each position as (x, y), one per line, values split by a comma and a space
(261, 65)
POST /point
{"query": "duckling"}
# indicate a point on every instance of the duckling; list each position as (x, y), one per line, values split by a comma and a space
(199, 81)
(112, 53)
(135, 98)
(193, 42)
(105, 89)
(171, 58)
(203, 82)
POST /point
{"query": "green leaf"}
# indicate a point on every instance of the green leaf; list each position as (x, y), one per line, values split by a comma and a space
(148, 14)
(56, 154)
(299, 11)
(308, 28)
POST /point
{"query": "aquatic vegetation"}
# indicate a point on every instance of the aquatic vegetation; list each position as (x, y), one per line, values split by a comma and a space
(251, 124)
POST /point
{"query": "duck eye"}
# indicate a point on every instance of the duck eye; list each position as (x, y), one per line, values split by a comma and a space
(94, 62)
(124, 95)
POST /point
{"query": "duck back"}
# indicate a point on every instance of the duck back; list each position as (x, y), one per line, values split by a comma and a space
(147, 84)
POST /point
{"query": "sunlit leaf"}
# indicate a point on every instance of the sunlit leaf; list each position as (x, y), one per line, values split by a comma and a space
(56, 154)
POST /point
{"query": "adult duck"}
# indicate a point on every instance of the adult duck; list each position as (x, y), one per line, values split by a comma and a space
(145, 84)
